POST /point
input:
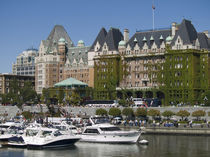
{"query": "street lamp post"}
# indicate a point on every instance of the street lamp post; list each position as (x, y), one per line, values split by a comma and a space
(205, 99)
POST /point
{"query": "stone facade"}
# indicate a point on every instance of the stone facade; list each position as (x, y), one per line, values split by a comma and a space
(51, 58)
(6, 80)
(59, 59)
(145, 61)
(25, 63)
(76, 65)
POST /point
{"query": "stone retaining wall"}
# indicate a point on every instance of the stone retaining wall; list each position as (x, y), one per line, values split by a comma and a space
(13, 110)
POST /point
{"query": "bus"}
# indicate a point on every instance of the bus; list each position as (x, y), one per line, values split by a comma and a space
(139, 102)
(102, 103)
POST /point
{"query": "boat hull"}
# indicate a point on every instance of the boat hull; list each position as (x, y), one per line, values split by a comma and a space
(130, 138)
(54, 144)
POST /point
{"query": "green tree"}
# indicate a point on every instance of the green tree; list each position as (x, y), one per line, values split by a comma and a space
(122, 102)
(198, 114)
(74, 99)
(128, 112)
(168, 114)
(101, 112)
(45, 96)
(114, 112)
(27, 115)
(153, 113)
(27, 93)
(183, 114)
(141, 112)
(60, 95)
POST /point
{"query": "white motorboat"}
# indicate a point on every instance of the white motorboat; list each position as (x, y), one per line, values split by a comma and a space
(41, 138)
(107, 133)
(10, 130)
(66, 129)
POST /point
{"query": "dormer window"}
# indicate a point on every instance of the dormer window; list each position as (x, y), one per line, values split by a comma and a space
(135, 40)
(151, 38)
(161, 37)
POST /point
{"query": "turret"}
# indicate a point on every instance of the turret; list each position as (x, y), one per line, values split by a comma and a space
(126, 35)
(173, 29)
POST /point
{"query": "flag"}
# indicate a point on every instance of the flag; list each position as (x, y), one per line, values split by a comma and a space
(153, 7)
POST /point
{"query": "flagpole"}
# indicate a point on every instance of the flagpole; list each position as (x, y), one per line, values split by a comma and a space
(153, 19)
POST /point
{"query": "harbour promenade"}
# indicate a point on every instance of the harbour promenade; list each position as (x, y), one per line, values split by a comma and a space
(182, 129)
(11, 111)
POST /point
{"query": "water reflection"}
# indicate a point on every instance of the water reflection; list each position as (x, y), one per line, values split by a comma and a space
(107, 150)
(163, 146)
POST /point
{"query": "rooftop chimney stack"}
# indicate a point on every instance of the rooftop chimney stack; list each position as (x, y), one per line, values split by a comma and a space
(126, 35)
(173, 29)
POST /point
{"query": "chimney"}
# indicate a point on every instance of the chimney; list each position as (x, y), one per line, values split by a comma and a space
(126, 35)
(173, 29)
(206, 33)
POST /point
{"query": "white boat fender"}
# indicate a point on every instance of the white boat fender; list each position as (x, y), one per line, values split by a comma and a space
(145, 142)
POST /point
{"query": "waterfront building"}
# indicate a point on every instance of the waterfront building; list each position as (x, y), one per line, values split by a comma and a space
(52, 58)
(187, 66)
(59, 59)
(25, 63)
(76, 65)
(104, 63)
(7, 79)
(170, 64)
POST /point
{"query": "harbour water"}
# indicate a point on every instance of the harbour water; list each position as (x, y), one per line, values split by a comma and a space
(159, 146)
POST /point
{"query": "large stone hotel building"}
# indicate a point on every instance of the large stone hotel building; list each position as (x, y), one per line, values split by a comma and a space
(59, 59)
(170, 64)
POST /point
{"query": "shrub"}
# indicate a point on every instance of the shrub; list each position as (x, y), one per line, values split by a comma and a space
(114, 112)
(101, 112)
(168, 114)
(154, 113)
(198, 114)
(128, 112)
(141, 112)
(183, 113)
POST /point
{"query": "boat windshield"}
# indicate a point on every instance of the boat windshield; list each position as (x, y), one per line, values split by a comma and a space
(31, 132)
(57, 133)
(110, 129)
(62, 128)
(46, 133)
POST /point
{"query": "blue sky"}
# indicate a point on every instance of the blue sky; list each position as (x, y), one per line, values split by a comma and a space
(24, 23)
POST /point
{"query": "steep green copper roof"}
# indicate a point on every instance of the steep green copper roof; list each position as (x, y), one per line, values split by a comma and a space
(161, 37)
(122, 43)
(70, 82)
(151, 38)
(144, 39)
(169, 38)
(80, 42)
(61, 40)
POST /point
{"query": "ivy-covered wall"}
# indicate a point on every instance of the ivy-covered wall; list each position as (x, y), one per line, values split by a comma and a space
(106, 76)
(185, 76)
